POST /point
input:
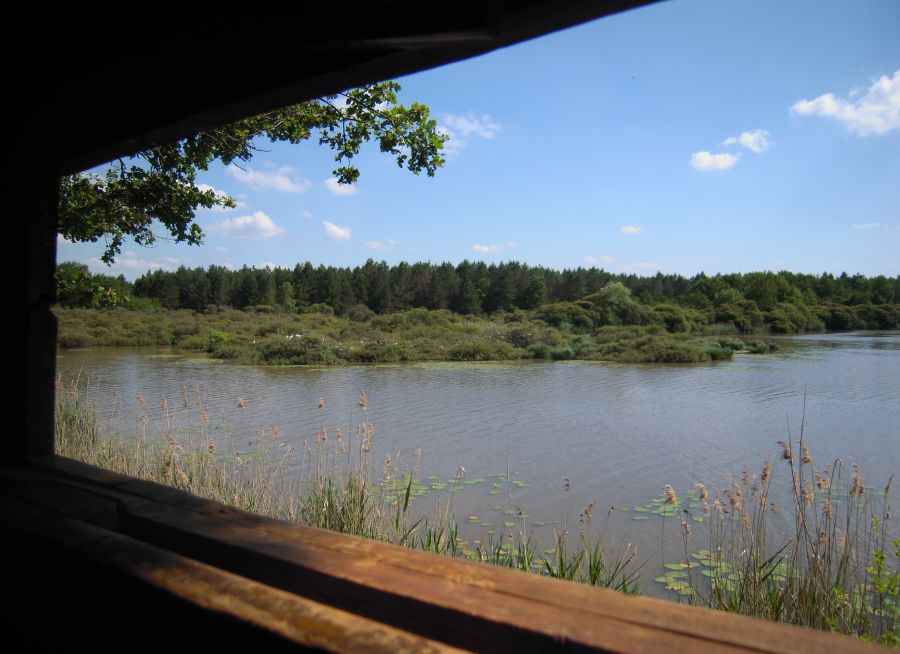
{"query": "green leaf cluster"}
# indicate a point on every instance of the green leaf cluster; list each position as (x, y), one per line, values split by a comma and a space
(159, 184)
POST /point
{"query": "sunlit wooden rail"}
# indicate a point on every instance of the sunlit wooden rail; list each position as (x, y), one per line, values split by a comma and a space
(234, 577)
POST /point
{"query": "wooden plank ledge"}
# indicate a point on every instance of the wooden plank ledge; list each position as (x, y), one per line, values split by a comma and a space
(462, 603)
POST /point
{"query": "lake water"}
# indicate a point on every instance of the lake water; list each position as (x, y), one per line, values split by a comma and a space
(568, 432)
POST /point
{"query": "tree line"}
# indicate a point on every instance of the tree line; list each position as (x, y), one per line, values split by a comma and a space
(785, 301)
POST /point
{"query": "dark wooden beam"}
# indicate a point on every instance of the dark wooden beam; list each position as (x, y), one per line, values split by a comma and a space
(458, 603)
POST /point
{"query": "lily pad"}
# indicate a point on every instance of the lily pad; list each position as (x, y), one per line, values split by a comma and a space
(677, 587)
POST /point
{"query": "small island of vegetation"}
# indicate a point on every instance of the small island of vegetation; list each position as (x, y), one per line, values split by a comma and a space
(468, 312)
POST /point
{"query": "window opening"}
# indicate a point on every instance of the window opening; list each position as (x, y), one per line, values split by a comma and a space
(658, 191)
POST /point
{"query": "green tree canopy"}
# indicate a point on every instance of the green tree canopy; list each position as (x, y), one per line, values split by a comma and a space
(160, 183)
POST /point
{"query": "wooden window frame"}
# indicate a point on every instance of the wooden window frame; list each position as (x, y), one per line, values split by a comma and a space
(86, 540)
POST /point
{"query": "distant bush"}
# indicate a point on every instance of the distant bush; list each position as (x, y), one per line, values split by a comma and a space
(194, 342)
(570, 313)
(135, 303)
(319, 308)
(730, 344)
(790, 318)
(544, 351)
(481, 351)
(215, 340)
(229, 351)
(360, 313)
(296, 351)
(757, 347)
(73, 338)
(264, 308)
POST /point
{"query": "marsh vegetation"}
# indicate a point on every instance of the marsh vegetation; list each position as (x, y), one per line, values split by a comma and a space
(835, 569)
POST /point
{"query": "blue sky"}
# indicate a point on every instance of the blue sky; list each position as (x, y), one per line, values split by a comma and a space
(688, 136)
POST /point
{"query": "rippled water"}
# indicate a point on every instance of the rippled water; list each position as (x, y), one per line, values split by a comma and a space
(617, 433)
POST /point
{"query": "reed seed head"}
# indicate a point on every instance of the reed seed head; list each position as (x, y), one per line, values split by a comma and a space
(704, 494)
(671, 497)
(766, 471)
(786, 453)
(182, 477)
(858, 489)
(808, 495)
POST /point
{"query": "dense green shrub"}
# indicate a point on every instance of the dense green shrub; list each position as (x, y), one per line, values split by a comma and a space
(559, 313)
(790, 318)
(481, 351)
(319, 308)
(360, 313)
(294, 351)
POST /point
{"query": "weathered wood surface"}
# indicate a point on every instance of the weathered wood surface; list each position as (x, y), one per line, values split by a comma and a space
(461, 603)
(294, 619)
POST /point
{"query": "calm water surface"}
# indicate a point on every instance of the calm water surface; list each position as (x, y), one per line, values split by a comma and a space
(616, 433)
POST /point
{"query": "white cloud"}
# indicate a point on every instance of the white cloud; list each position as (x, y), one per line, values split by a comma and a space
(466, 125)
(62, 240)
(268, 264)
(595, 261)
(335, 187)
(458, 129)
(130, 262)
(487, 249)
(756, 140)
(257, 225)
(630, 230)
(238, 204)
(306, 215)
(279, 179)
(877, 111)
(337, 232)
(709, 161)
(867, 226)
(221, 249)
(386, 246)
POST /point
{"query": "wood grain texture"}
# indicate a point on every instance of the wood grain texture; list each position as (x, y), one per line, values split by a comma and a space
(466, 604)
(295, 619)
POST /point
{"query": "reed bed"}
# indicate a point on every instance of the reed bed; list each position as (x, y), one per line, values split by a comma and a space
(330, 481)
(821, 559)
